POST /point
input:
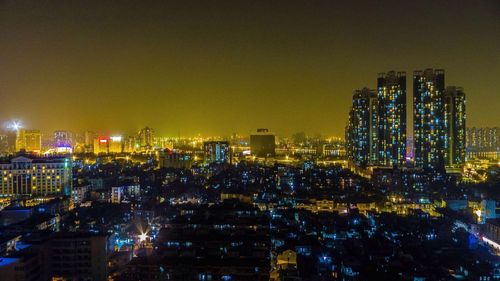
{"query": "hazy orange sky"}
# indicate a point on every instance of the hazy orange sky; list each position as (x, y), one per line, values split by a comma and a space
(217, 67)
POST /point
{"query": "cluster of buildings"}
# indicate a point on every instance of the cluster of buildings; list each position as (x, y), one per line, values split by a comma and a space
(130, 220)
(376, 134)
(260, 207)
(18, 139)
(483, 143)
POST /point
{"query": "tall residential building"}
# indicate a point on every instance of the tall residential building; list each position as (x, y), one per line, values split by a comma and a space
(216, 151)
(362, 131)
(429, 119)
(24, 176)
(454, 107)
(263, 143)
(146, 138)
(391, 92)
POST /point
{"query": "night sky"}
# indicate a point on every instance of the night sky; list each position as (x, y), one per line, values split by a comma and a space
(217, 67)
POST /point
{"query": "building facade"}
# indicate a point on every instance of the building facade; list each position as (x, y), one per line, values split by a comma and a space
(217, 152)
(24, 176)
(391, 93)
(429, 119)
(28, 140)
(78, 256)
(483, 143)
(362, 130)
(4, 145)
(454, 103)
(263, 143)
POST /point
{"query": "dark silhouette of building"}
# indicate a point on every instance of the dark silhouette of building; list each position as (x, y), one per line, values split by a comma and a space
(263, 143)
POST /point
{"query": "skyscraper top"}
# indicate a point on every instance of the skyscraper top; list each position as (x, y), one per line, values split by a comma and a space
(428, 72)
(392, 75)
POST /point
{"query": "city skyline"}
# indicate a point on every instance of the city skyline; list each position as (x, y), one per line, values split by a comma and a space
(232, 67)
(236, 140)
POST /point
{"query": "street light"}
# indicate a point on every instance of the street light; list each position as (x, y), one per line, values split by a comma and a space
(142, 237)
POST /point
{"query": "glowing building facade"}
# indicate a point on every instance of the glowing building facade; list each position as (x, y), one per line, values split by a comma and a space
(216, 151)
(429, 119)
(362, 130)
(112, 144)
(391, 93)
(24, 176)
(101, 145)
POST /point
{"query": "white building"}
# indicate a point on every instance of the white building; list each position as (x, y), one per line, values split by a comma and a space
(35, 177)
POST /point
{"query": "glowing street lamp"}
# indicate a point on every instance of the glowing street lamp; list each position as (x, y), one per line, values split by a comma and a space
(142, 237)
(479, 214)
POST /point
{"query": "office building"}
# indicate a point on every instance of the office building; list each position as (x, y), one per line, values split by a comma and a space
(101, 145)
(217, 152)
(24, 176)
(391, 95)
(115, 144)
(263, 143)
(362, 130)
(429, 119)
(454, 103)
